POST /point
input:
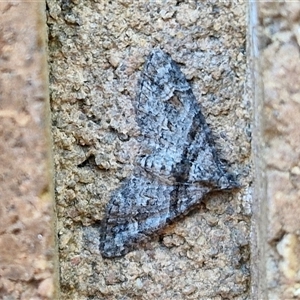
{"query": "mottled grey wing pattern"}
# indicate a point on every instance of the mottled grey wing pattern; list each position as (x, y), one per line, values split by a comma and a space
(177, 164)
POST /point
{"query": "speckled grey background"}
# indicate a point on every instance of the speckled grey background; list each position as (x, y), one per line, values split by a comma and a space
(97, 49)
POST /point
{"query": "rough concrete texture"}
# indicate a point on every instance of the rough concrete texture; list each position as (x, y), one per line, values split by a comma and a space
(27, 256)
(279, 41)
(97, 50)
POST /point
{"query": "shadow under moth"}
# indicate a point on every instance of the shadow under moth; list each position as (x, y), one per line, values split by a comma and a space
(177, 163)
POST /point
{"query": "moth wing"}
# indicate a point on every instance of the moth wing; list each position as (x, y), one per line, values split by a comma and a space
(140, 207)
(164, 114)
(176, 140)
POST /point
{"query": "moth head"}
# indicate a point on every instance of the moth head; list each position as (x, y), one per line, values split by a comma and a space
(228, 182)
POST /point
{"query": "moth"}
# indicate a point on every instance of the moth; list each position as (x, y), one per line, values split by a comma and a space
(177, 164)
